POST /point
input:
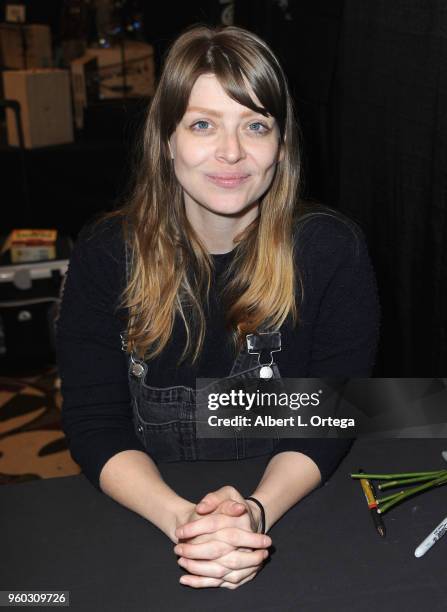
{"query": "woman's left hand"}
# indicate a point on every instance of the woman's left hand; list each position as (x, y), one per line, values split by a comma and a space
(223, 548)
(229, 570)
(227, 501)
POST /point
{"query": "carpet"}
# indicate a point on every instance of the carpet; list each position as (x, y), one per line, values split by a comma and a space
(32, 443)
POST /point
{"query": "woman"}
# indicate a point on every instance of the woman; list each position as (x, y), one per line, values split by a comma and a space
(212, 245)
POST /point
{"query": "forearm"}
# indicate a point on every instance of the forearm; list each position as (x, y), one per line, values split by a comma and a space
(132, 479)
(289, 477)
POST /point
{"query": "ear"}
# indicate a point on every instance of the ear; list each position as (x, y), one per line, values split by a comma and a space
(171, 147)
(281, 152)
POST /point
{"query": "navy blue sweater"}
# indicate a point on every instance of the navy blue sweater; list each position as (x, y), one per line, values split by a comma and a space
(337, 337)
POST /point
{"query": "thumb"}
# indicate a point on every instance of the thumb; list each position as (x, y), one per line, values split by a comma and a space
(229, 507)
(206, 506)
(212, 500)
(232, 508)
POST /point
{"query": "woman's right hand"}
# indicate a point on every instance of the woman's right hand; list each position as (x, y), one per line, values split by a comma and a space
(228, 501)
(220, 548)
(233, 557)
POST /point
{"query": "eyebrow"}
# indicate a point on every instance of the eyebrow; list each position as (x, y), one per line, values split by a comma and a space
(210, 111)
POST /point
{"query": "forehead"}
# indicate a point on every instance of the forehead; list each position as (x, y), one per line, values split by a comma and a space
(207, 91)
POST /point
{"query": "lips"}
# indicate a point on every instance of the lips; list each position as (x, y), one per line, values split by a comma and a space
(228, 180)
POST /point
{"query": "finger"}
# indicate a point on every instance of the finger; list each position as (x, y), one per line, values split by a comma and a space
(206, 537)
(210, 569)
(210, 524)
(210, 502)
(229, 585)
(212, 549)
(207, 524)
(225, 553)
(214, 569)
(200, 582)
(240, 538)
(240, 575)
(232, 508)
(204, 507)
(238, 560)
(229, 507)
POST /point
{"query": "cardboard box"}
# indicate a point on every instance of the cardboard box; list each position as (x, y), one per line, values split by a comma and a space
(37, 39)
(27, 245)
(139, 63)
(45, 102)
(99, 75)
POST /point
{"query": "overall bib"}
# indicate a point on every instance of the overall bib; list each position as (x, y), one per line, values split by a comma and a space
(165, 419)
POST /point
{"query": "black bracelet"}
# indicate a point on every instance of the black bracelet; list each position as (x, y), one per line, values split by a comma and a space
(261, 508)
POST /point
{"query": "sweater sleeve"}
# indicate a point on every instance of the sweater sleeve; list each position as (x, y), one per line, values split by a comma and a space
(339, 281)
(96, 411)
(343, 284)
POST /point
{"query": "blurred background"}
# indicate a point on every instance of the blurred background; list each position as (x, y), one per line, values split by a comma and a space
(369, 80)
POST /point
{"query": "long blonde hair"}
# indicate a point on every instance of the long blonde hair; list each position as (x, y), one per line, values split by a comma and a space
(170, 270)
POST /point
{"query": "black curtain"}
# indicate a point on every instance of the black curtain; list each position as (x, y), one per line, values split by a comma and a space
(389, 118)
(370, 86)
(163, 21)
(369, 79)
(304, 35)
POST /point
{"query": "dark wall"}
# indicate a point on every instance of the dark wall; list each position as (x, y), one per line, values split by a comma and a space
(370, 85)
(369, 81)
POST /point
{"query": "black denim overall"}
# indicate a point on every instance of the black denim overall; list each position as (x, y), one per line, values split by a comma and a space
(165, 419)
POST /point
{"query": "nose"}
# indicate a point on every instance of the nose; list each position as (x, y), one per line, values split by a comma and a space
(229, 147)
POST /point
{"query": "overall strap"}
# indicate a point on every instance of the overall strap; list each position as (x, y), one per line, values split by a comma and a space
(123, 334)
(136, 366)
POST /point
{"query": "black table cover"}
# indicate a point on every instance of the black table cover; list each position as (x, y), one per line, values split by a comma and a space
(62, 534)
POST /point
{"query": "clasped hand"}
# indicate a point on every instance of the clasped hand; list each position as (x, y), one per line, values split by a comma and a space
(218, 543)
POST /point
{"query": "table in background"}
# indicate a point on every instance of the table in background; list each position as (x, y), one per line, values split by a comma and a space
(62, 534)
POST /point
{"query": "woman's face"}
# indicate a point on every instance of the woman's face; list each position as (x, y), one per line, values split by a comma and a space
(224, 153)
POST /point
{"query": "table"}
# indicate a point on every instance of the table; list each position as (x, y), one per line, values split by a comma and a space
(62, 534)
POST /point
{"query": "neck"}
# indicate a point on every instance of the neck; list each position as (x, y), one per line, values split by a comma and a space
(217, 231)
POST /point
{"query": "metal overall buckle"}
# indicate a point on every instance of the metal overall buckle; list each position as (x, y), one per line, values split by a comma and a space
(137, 368)
(260, 342)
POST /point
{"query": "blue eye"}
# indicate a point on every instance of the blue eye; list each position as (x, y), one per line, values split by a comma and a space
(261, 128)
(201, 125)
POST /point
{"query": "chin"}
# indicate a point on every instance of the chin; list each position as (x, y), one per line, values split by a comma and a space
(229, 203)
(228, 208)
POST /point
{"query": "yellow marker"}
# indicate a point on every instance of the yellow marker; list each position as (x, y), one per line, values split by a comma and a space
(372, 505)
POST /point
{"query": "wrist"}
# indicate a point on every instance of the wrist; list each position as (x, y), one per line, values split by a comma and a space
(256, 514)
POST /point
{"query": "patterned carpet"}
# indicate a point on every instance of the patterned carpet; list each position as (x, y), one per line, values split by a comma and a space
(32, 444)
